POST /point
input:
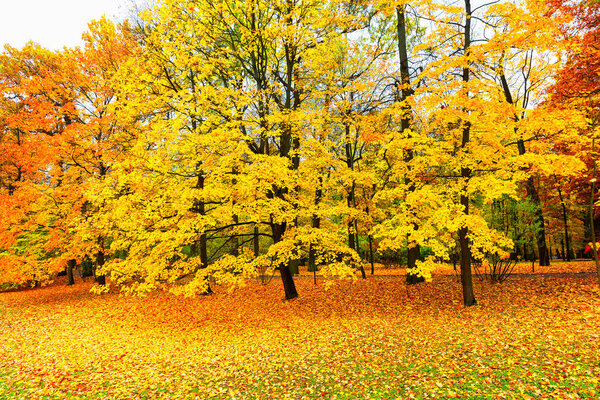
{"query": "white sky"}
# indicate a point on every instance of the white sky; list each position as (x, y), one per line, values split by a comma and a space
(53, 24)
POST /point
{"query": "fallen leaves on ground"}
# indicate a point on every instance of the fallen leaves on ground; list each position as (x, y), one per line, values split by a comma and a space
(534, 337)
(522, 267)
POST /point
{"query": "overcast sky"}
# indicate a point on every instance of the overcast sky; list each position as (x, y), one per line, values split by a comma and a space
(53, 23)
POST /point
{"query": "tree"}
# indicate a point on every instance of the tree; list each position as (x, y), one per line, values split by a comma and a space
(577, 83)
(37, 107)
(226, 111)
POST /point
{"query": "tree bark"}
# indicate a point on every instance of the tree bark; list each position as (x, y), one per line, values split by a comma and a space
(466, 277)
(414, 249)
(200, 246)
(255, 241)
(289, 287)
(316, 224)
(465, 247)
(100, 259)
(236, 243)
(70, 265)
(100, 256)
(371, 255)
(350, 197)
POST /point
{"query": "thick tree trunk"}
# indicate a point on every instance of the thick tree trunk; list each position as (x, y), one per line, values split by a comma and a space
(289, 287)
(100, 259)
(70, 265)
(466, 277)
(413, 255)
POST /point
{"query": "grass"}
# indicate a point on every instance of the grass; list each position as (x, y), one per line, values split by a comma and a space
(534, 337)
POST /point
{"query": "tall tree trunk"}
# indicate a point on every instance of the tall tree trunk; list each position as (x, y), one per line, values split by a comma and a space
(465, 247)
(466, 277)
(414, 249)
(350, 198)
(371, 255)
(70, 265)
(100, 256)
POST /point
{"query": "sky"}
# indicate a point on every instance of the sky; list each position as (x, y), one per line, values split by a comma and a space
(53, 24)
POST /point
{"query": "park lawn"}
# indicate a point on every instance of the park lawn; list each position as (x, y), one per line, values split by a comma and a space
(531, 337)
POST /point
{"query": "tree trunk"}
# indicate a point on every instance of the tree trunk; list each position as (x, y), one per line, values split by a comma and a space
(316, 224)
(465, 247)
(466, 277)
(70, 265)
(414, 251)
(236, 243)
(413, 255)
(100, 259)
(371, 255)
(100, 256)
(289, 287)
(256, 242)
(363, 274)
(200, 246)
(350, 199)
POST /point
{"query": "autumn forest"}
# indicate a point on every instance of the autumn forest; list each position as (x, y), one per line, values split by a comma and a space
(304, 199)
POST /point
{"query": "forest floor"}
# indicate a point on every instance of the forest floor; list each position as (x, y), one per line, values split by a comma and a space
(364, 339)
